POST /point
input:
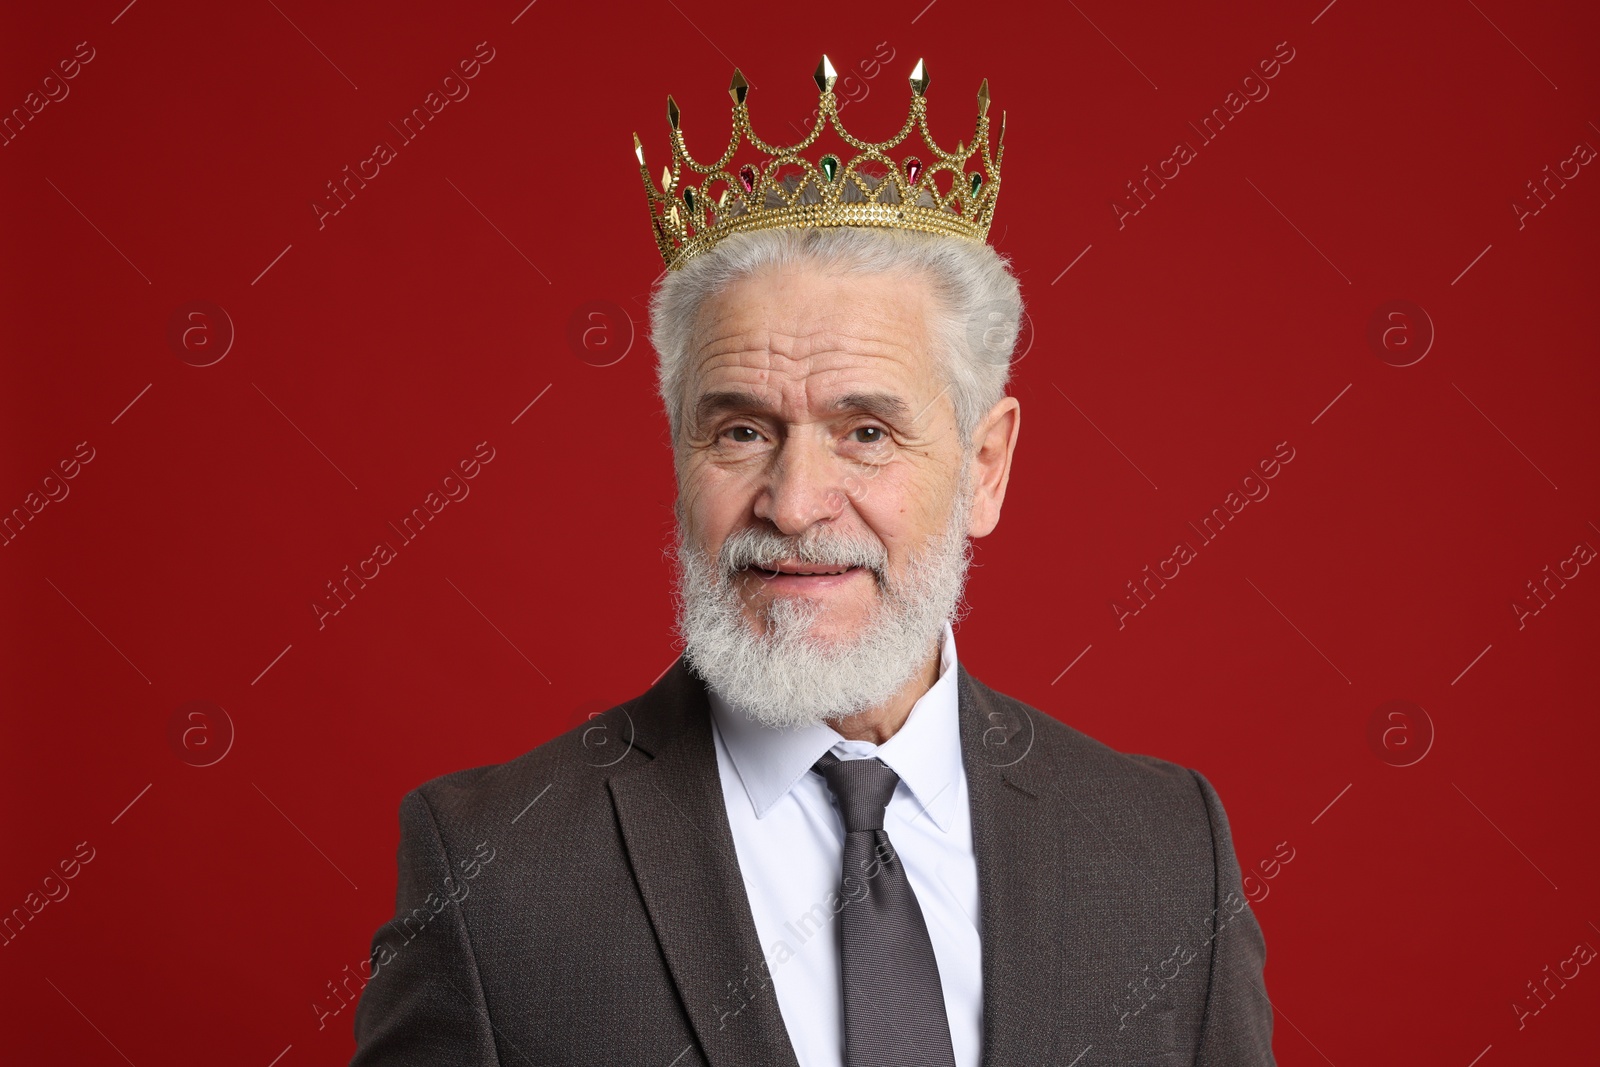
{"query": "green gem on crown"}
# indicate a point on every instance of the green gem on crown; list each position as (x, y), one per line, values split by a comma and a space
(830, 166)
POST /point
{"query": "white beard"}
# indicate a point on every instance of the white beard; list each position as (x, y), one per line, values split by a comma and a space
(785, 677)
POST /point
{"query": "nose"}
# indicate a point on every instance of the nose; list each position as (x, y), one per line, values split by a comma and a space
(802, 487)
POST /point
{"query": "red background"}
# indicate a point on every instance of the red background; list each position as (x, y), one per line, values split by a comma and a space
(372, 354)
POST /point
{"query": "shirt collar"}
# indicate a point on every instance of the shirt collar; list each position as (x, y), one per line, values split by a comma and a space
(925, 752)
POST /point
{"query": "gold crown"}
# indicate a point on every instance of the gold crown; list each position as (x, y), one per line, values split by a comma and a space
(872, 189)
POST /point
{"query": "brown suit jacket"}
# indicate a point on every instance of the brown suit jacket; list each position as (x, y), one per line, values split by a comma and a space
(583, 905)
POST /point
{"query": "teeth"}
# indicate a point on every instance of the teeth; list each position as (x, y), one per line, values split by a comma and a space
(808, 574)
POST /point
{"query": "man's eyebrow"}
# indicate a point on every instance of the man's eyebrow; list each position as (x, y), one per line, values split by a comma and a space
(886, 406)
(711, 405)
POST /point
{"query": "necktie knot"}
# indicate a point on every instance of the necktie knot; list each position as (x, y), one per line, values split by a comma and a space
(861, 786)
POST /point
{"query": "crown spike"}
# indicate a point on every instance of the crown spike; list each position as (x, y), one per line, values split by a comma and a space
(919, 79)
(983, 99)
(738, 88)
(826, 75)
(672, 111)
(638, 149)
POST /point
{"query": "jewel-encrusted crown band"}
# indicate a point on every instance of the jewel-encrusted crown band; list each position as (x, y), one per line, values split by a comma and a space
(783, 189)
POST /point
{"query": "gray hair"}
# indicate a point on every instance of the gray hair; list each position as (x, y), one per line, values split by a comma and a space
(977, 300)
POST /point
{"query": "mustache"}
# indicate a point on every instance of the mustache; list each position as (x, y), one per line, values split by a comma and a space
(765, 549)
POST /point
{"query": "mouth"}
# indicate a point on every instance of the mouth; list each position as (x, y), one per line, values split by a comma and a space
(803, 576)
(804, 570)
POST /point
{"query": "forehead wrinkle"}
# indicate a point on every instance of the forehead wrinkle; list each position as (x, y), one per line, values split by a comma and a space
(773, 346)
(798, 382)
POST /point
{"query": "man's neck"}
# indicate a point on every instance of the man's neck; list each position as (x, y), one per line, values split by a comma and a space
(881, 723)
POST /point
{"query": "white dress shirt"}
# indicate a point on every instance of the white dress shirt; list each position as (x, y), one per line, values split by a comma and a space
(790, 843)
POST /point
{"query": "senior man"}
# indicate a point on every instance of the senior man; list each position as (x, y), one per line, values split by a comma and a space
(818, 840)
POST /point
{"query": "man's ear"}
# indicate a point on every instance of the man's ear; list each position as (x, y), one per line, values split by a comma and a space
(995, 443)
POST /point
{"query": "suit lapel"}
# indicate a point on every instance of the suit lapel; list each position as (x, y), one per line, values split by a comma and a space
(1035, 927)
(680, 846)
(1024, 925)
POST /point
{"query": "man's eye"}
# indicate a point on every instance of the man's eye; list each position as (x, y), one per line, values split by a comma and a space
(743, 430)
(876, 435)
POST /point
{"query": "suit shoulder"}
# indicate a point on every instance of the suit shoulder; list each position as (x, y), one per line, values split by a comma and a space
(1095, 763)
(566, 773)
